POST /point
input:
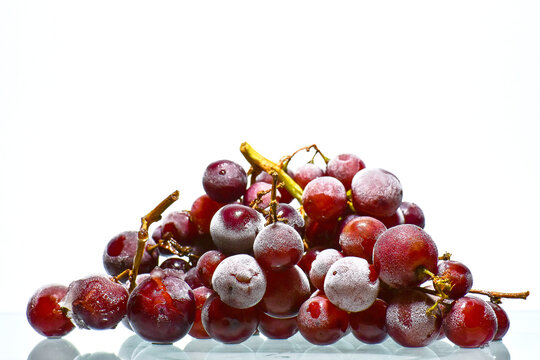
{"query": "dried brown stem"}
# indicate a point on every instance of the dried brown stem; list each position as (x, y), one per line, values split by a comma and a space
(146, 221)
(496, 296)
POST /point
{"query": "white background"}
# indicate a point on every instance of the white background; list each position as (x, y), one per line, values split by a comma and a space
(108, 106)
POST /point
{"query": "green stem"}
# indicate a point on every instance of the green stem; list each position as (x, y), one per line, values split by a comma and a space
(256, 159)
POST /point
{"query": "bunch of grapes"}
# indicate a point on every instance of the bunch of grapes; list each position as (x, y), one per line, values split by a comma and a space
(354, 257)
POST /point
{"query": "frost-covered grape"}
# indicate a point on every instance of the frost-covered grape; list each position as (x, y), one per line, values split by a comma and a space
(324, 199)
(239, 281)
(343, 167)
(358, 236)
(320, 266)
(369, 326)
(96, 302)
(459, 275)
(278, 247)
(351, 284)
(120, 251)
(376, 192)
(320, 322)
(253, 191)
(407, 321)
(234, 227)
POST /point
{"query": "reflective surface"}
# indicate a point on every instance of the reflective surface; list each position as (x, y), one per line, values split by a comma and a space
(520, 343)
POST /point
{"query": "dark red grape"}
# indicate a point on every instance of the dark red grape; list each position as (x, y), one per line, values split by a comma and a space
(202, 211)
(343, 167)
(207, 265)
(178, 226)
(176, 263)
(306, 173)
(503, 322)
(358, 236)
(320, 322)
(96, 302)
(45, 314)
(413, 214)
(227, 324)
(285, 292)
(120, 251)
(351, 284)
(253, 191)
(470, 323)
(234, 227)
(224, 181)
(239, 281)
(291, 217)
(369, 326)
(401, 253)
(376, 192)
(459, 275)
(395, 219)
(192, 278)
(408, 322)
(325, 234)
(324, 199)
(308, 257)
(197, 330)
(274, 328)
(320, 266)
(161, 309)
(278, 247)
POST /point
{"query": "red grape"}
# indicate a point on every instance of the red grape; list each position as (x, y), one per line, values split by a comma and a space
(306, 173)
(96, 302)
(459, 275)
(224, 181)
(413, 214)
(470, 323)
(351, 284)
(407, 320)
(376, 192)
(320, 266)
(120, 251)
(358, 236)
(239, 281)
(274, 328)
(207, 265)
(369, 326)
(178, 226)
(45, 314)
(278, 247)
(176, 263)
(401, 253)
(234, 227)
(227, 324)
(253, 191)
(197, 330)
(320, 322)
(161, 309)
(343, 167)
(202, 211)
(324, 199)
(503, 322)
(285, 292)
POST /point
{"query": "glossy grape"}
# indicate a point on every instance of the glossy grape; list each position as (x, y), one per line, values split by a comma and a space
(369, 326)
(178, 226)
(274, 328)
(503, 322)
(45, 314)
(176, 263)
(320, 322)
(161, 309)
(197, 330)
(120, 251)
(227, 324)
(224, 181)
(285, 292)
(460, 277)
(253, 191)
(202, 211)
(413, 214)
(470, 323)
(358, 236)
(207, 265)
(291, 217)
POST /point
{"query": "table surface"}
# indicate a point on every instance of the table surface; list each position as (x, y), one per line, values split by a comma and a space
(20, 341)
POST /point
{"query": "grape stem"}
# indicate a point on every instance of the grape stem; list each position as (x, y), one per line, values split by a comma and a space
(496, 296)
(146, 221)
(257, 160)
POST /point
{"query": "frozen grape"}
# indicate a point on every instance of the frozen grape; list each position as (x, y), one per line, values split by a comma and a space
(376, 192)
(45, 314)
(278, 247)
(224, 181)
(324, 199)
(343, 167)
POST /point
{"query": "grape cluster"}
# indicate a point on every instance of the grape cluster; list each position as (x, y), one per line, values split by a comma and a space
(353, 257)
